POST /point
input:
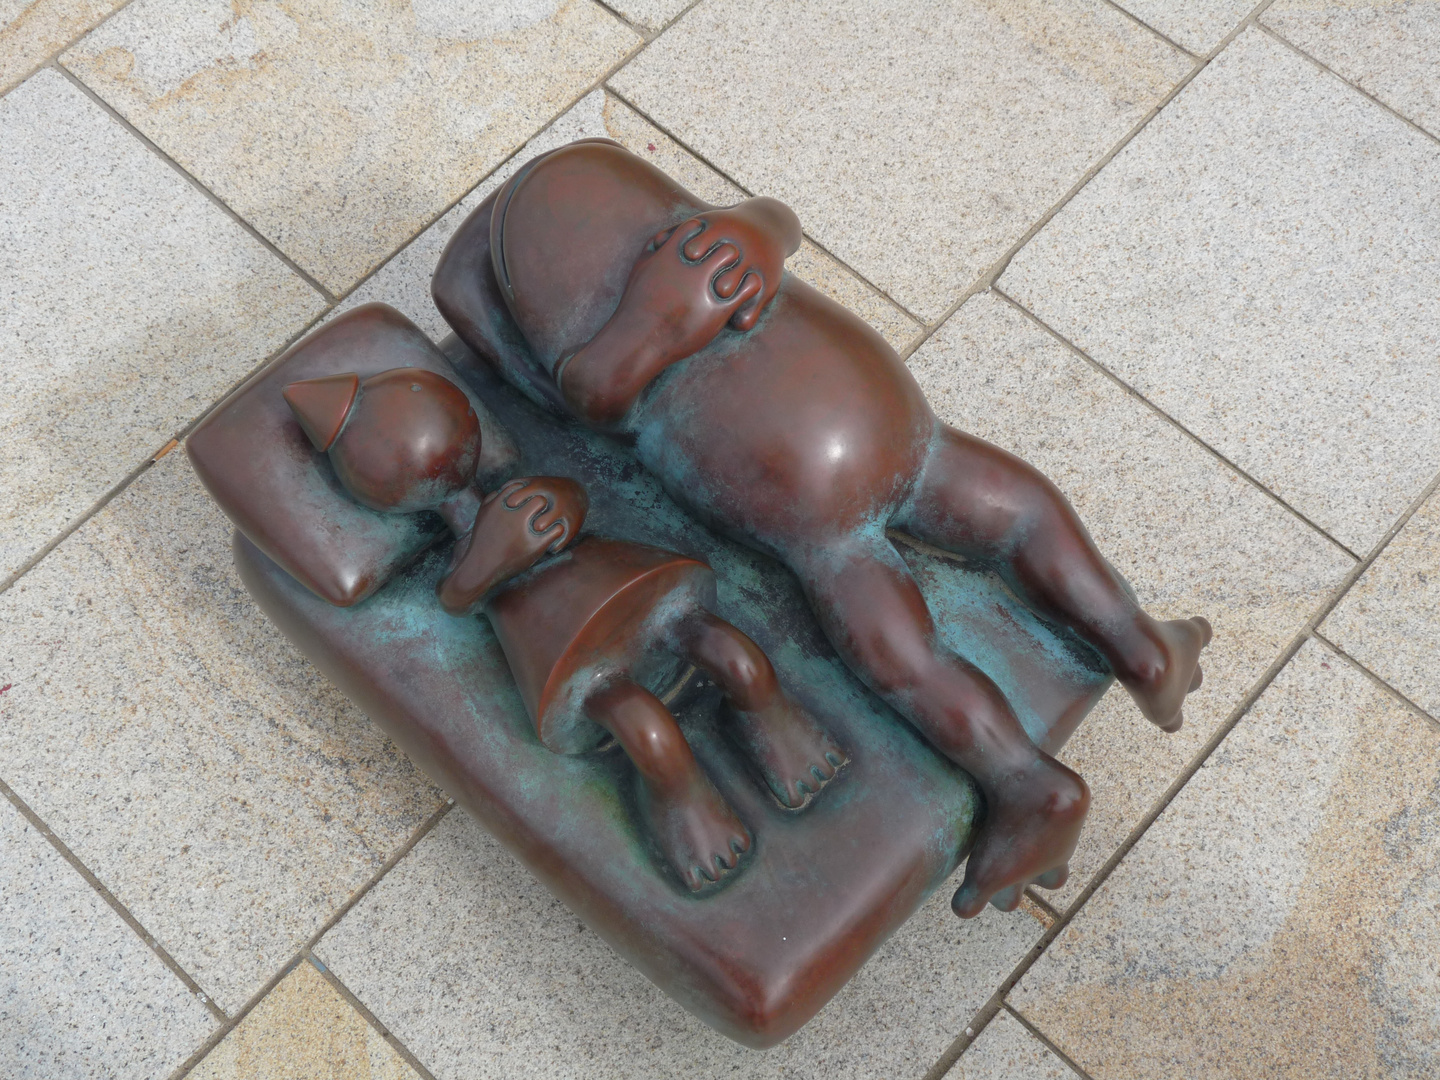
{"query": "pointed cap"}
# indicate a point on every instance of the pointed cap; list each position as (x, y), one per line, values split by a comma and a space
(321, 405)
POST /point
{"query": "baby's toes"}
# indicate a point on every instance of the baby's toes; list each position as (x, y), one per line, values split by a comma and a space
(1007, 899)
(1054, 877)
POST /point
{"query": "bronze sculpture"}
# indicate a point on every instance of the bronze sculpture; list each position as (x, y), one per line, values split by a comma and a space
(780, 418)
(714, 391)
(591, 627)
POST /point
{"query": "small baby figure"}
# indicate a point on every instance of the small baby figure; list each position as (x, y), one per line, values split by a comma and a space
(591, 628)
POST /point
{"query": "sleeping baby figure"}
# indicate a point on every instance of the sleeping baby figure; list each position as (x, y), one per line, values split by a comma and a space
(590, 627)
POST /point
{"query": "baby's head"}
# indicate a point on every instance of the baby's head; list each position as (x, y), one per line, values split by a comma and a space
(404, 440)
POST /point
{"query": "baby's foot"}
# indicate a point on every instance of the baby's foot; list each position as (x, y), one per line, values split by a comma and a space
(1032, 823)
(1161, 690)
(700, 835)
(796, 756)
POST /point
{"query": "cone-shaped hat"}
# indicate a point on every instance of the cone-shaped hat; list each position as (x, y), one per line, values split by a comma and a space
(321, 405)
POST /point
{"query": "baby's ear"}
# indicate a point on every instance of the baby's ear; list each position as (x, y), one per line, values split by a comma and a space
(323, 405)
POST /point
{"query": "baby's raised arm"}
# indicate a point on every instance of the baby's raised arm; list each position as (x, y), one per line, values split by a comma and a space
(718, 268)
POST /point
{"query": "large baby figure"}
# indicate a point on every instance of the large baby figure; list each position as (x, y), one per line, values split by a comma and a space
(783, 420)
(589, 626)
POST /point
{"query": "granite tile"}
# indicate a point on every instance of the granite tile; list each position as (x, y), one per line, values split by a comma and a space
(1280, 918)
(1191, 535)
(336, 128)
(189, 756)
(303, 1030)
(130, 303)
(404, 282)
(1390, 618)
(917, 141)
(650, 15)
(80, 993)
(31, 31)
(1197, 25)
(485, 974)
(1006, 1051)
(1263, 262)
(1390, 48)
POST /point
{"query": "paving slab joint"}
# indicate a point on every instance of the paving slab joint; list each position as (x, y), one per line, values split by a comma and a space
(1432, 136)
(105, 894)
(1163, 415)
(1049, 1045)
(304, 956)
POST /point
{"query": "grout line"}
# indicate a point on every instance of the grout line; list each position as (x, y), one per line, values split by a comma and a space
(1353, 85)
(1378, 681)
(111, 899)
(598, 84)
(54, 55)
(999, 266)
(881, 293)
(1039, 901)
(1049, 1045)
(987, 1011)
(1163, 37)
(370, 1018)
(134, 474)
(74, 523)
(80, 84)
(303, 953)
(622, 17)
(1138, 396)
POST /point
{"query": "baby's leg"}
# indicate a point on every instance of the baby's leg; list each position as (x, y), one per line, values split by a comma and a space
(874, 614)
(795, 755)
(696, 829)
(974, 498)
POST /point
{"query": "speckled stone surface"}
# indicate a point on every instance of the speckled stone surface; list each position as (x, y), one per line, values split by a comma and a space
(486, 975)
(1280, 918)
(1390, 49)
(1390, 619)
(1006, 1051)
(32, 30)
(303, 1030)
(650, 15)
(336, 128)
(916, 140)
(1191, 535)
(1197, 25)
(1263, 262)
(80, 993)
(129, 303)
(404, 282)
(186, 753)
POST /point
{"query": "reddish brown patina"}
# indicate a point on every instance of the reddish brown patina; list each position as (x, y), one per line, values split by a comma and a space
(821, 889)
(592, 630)
(643, 312)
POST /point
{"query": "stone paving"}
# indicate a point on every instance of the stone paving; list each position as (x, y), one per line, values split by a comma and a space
(1184, 257)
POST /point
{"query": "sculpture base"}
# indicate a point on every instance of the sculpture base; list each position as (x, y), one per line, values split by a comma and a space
(824, 887)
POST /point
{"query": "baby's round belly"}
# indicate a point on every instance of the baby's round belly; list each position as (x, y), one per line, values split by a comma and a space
(807, 427)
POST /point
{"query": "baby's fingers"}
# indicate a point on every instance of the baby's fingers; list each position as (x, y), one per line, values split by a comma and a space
(699, 239)
(748, 301)
(686, 235)
(719, 260)
(554, 523)
(729, 281)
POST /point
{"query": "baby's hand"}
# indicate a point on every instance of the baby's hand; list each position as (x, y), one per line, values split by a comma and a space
(719, 267)
(764, 232)
(516, 526)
